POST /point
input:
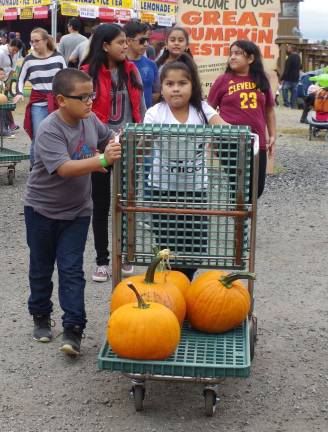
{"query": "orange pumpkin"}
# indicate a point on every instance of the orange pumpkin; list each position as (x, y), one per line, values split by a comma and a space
(143, 331)
(216, 306)
(176, 277)
(159, 291)
(209, 275)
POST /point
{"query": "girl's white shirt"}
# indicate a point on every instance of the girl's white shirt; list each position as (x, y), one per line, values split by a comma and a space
(161, 114)
(178, 164)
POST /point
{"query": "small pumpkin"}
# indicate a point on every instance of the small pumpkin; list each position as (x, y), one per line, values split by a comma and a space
(3, 99)
(159, 291)
(143, 331)
(218, 305)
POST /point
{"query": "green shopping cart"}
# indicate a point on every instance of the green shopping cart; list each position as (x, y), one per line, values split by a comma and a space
(192, 189)
(9, 158)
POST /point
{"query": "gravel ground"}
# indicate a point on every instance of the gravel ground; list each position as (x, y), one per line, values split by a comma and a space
(42, 390)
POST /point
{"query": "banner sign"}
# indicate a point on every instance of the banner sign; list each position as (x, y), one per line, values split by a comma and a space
(40, 12)
(158, 8)
(148, 17)
(26, 13)
(10, 14)
(165, 21)
(126, 4)
(123, 14)
(69, 9)
(88, 12)
(106, 14)
(215, 24)
(24, 3)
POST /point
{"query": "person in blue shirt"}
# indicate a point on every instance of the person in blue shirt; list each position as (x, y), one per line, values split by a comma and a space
(137, 38)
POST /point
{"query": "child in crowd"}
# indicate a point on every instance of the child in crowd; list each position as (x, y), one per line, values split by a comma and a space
(119, 100)
(178, 168)
(137, 39)
(58, 204)
(244, 97)
(5, 130)
(177, 42)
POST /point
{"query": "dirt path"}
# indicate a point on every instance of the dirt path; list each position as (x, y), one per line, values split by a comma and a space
(41, 390)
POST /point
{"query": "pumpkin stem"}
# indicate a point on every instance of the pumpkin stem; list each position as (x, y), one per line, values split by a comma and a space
(141, 303)
(228, 279)
(162, 255)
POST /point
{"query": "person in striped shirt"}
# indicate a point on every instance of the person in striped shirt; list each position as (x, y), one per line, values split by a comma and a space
(39, 68)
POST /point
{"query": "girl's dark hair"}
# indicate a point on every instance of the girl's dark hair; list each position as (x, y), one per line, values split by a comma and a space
(256, 69)
(185, 63)
(97, 57)
(162, 59)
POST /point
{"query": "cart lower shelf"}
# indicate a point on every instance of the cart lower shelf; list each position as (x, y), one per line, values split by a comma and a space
(8, 156)
(198, 356)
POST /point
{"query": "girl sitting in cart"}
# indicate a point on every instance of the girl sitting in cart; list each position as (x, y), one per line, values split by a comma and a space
(244, 97)
(177, 172)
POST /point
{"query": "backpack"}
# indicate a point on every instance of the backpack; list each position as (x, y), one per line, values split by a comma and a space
(321, 101)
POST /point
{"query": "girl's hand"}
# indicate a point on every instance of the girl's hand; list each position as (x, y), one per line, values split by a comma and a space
(112, 151)
(17, 98)
(271, 146)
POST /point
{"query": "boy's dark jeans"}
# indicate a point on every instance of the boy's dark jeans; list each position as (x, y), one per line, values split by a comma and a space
(101, 205)
(61, 241)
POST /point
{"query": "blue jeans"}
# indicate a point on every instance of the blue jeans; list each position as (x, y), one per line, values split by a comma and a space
(38, 114)
(289, 86)
(52, 240)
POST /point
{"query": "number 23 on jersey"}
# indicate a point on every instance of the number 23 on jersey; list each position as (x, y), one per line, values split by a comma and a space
(248, 100)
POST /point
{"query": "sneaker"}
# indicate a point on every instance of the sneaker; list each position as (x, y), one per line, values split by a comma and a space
(42, 328)
(14, 128)
(101, 274)
(71, 343)
(127, 269)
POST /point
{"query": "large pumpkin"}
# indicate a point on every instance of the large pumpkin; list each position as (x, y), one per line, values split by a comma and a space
(158, 291)
(143, 331)
(209, 275)
(216, 306)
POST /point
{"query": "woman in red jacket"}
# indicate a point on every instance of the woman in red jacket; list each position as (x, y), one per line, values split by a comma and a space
(119, 100)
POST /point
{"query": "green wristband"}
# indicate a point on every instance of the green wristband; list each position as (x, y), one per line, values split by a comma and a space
(103, 161)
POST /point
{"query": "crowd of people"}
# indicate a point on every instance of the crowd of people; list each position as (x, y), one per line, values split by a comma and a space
(74, 117)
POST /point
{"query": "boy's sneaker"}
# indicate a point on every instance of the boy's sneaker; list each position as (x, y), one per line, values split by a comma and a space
(127, 269)
(42, 328)
(101, 274)
(71, 343)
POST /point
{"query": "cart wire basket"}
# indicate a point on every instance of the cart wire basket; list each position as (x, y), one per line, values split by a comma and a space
(187, 188)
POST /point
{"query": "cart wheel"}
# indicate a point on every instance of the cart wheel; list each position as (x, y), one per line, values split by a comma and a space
(139, 396)
(252, 335)
(210, 402)
(11, 176)
(315, 132)
(310, 133)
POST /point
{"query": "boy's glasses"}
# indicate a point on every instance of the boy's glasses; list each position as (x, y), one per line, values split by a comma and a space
(83, 98)
(142, 40)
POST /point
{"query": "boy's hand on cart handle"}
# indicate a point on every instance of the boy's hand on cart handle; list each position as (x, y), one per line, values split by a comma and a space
(112, 151)
(271, 146)
(18, 98)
